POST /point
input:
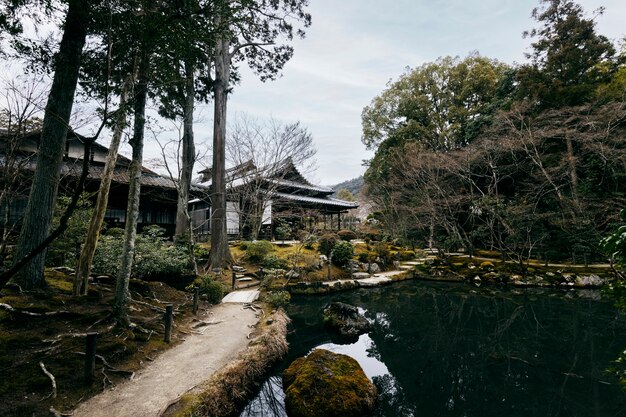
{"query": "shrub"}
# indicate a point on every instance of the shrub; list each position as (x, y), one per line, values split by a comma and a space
(407, 255)
(282, 230)
(342, 253)
(382, 251)
(256, 251)
(278, 299)
(213, 290)
(154, 257)
(326, 244)
(65, 250)
(364, 257)
(346, 235)
(201, 251)
(274, 262)
(107, 256)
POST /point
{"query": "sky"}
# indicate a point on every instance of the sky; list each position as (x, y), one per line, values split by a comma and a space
(355, 47)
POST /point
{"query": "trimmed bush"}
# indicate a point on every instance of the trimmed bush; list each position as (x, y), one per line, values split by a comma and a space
(346, 235)
(342, 253)
(326, 244)
(256, 251)
(213, 290)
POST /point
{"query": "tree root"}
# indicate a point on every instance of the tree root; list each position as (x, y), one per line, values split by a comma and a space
(10, 309)
(152, 307)
(53, 394)
(206, 323)
(110, 368)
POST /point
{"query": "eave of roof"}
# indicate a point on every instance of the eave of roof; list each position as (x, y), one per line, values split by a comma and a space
(316, 200)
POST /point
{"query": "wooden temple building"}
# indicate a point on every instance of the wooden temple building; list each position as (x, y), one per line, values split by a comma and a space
(18, 161)
(286, 196)
(285, 193)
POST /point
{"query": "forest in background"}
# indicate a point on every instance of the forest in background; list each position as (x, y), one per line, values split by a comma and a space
(528, 160)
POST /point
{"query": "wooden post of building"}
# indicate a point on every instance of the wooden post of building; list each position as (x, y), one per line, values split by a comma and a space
(90, 357)
(196, 297)
(169, 311)
(339, 221)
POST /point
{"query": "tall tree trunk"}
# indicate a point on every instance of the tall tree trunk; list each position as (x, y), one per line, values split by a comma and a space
(220, 256)
(183, 221)
(43, 192)
(134, 188)
(93, 233)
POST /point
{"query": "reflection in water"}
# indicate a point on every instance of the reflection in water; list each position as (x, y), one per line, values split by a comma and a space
(270, 401)
(443, 350)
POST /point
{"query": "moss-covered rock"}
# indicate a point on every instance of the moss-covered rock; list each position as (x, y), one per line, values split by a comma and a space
(327, 384)
(345, 319)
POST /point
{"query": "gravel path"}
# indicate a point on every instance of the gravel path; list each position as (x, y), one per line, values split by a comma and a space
(179, 369)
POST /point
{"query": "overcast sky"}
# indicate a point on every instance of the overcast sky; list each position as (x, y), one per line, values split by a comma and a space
(354, 47)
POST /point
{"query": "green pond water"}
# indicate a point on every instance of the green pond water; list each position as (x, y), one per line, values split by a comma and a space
(454, 350)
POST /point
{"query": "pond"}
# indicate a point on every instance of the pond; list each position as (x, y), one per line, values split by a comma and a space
(452, 350)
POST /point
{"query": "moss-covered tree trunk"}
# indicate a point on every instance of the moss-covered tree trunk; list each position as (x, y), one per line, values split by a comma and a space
(188, 159)
(43, 192)
(220, 254)
(93, 233)
(134, 188)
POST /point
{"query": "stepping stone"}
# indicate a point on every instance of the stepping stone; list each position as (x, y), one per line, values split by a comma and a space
(241, 297)
(373, 282)
(240, 269)
(360, 275)
(244, 279)
(239, 276)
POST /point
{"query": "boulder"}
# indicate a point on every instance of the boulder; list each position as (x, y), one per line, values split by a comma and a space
(345, 319)
(373, 268)
(327, 384)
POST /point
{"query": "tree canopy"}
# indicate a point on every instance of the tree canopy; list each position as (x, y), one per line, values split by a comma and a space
(527, 158)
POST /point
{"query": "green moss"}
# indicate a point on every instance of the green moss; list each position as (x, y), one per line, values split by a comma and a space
(327, 384)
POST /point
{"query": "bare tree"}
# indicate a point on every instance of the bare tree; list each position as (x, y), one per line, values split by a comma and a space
(262, 152)
(22, 101)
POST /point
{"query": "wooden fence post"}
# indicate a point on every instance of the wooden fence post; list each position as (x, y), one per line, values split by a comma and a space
(90, 357)
(234, 278)
(168, 323)
(196, 296)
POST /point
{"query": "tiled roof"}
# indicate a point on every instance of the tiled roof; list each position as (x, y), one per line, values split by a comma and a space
(302, 186)
(120, 175)
(328, 201)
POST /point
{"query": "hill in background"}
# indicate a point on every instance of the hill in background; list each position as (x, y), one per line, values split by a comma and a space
(354, 185)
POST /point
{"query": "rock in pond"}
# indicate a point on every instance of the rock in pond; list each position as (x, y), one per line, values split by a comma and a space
(327, 384)
(345, 319)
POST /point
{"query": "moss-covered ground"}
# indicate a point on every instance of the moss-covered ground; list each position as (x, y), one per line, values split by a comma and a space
(56, 338)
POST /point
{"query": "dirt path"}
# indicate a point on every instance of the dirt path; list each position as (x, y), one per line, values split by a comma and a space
(178, 369)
